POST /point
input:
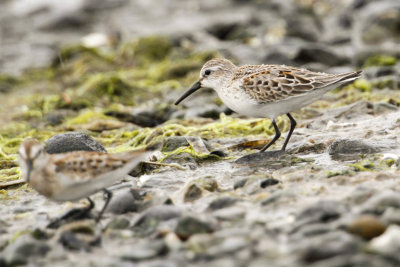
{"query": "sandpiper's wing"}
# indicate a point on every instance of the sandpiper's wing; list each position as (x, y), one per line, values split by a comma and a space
(271, 83)
(81, 174)
(81, 166)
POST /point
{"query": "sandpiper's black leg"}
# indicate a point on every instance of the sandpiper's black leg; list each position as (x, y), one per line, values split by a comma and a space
(276, 137)
(76, 213)
(107, 195)
(292, 126)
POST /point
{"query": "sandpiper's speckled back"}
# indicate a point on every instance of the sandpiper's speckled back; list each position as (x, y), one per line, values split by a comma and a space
(272, 83)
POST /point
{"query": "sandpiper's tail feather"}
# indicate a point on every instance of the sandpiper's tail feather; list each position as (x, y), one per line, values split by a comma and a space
(351, 76)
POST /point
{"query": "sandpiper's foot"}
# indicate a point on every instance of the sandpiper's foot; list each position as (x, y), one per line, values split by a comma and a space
(72, 215)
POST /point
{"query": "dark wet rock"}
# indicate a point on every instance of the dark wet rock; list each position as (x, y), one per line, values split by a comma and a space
(229, 31)
(55, 119)
(270, 159)
(158, 213)
(380, 202)
(240, 183)
(211, 111)
(321, 212)
(173, 142)
(366, 226)
(327, 246)
(70, 241)
(377, 25)
(310, 230)
(307, 148)
(379, 71)
(127, 201)
(188, 226)
(277, 197)
(80, 235)
(192, 193)
(24, 249)
(184, 159)
(40, 234)
(231, 214)
(278, 57)
(228, 246)
(320, 54)
(268, 182)
(360, 194)
(304, 27)
(144, 118)
(209, 183)
(222, 202)
(382, 107)
(357, 259)
(118, 223)
(144, 250)
(74, 141)
(348, 146)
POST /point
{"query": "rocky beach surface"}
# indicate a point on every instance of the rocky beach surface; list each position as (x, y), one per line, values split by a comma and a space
(103, 76)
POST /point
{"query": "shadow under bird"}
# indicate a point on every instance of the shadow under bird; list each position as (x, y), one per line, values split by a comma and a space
(75, 175)
(266, 90)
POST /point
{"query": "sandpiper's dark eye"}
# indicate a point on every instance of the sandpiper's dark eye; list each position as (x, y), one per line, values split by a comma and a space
(207, 72)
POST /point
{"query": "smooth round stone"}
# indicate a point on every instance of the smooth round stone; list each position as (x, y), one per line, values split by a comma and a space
(74, 141)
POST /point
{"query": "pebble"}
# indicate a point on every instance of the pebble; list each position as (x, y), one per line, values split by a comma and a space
(366, 226)
(24, 249)
(327, 246)
(144, 250)
(74, 141)
(347, 146)
(222, 202)
(268, 182)
(188, 226)
(388, 243)
(193, 192)
(158, 213)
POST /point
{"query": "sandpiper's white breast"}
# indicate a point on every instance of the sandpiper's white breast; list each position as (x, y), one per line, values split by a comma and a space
(242, 103)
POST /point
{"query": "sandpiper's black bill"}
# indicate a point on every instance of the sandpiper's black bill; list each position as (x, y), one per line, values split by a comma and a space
(192, 89)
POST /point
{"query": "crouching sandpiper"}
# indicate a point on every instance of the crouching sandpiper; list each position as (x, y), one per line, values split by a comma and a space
(266, 90)
(74, 175)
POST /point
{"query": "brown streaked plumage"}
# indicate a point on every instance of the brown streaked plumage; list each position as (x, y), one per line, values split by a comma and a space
(266, 90)
(74, 175)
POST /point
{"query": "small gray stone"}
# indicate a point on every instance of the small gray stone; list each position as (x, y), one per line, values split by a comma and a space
(144, 250)
(320, 54)
(268, 182)
(25, 248)
(380, 202)
(127, 201)
(188, 226)
(240, 183)
(321, 212)
(222, 202)
(347, 146)
(74, 141)
(192, 193)
(158, 213)
(327, 246)
(388, 243)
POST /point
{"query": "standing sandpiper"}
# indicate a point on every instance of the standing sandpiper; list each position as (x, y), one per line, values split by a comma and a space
(74, 175)
(266, 90)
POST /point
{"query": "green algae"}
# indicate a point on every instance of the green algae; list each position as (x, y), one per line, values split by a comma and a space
(379, 60)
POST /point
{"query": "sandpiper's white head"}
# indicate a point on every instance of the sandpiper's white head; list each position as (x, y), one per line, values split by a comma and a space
(216, 74)
(31, 155)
